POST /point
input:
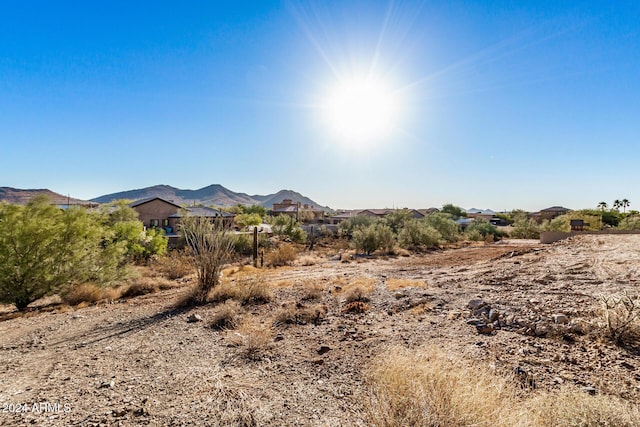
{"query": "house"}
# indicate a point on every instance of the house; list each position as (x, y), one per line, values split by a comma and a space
(486, 214)
(160, 213)
(299, 211)
(549, 213)
(373, 213)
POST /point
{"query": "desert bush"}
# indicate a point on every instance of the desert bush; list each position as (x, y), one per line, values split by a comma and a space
(416, 234)
(286, 226)
(82, 292)
(226, 316)
(254, 339)
(561, 223)
(254, 291)
(374, 237)
(242, 244)
(397, 219)
(357, 293)
(312, 292)
(43, 249)
(444, 225)
(299, 314)
(245, 291)
(524, 227)
(355, 307)
(283, 255)
(176, 264)
(621, 317)
(308, 260)
(211, 246)
(630, 222)
(576, 408)
(140, 287)
(347, 227)
(427, 388)
(484, 228)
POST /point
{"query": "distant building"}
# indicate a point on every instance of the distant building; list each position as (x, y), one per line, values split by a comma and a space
(160, 213)
(302, 212)
(549, 213)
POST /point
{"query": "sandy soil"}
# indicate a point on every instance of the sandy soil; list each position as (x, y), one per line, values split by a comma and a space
(140, 362)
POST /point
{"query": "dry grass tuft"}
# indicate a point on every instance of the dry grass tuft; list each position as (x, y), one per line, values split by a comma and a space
(253, 338)
(426, 387)
(176, 264)
(395, 284)
(311, 291)
(355, 307)
(576, 408)
(285, 254)
(357, 294)
(140, 286)
(621, 318)
(250, 290)
(308, 260)
(84, 292)
(226, 316)
(299, 314)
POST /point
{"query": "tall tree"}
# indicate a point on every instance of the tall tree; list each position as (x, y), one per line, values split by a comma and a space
(602, 206)
(43, 249)
(625, 205)
(617, 204)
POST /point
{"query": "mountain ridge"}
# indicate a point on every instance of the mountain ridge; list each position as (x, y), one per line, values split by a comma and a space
(214, 194)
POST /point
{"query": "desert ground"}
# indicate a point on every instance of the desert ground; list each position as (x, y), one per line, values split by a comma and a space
(302, 359)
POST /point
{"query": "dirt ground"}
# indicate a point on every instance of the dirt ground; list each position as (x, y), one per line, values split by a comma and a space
(141, 362)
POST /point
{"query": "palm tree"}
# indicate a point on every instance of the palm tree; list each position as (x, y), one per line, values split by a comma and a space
(602, 206)
(625, 204)
(617, 204)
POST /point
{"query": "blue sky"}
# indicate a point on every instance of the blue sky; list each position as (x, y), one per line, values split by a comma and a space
(500, 104)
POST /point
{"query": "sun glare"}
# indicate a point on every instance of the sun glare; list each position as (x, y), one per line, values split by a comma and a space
(360, 112)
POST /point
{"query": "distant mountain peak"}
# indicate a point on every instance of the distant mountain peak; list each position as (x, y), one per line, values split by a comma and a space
(211, 195)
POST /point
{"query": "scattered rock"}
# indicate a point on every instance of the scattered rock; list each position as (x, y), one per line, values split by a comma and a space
(195, 317)
(475, 304)
(485, 329)
(323, 349)
(560, 319)
(494, 315)
(109, 384)
(591, 390)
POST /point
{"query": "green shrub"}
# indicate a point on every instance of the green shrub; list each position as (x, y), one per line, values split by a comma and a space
(43, 249)
(374, 237)
(484, 229)
(417, 234)
(444, 225)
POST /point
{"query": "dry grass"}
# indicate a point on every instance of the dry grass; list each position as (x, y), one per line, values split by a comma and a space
(357, 293)
(226, 316)
(140, 286)
(84, 292)
(176, 265)
(311, 291)
(250, 290)
(253, 338)
(395, 284)
(621, 318)
(307, 260)
(355, 307)
(300, 314)
(285, 254)
(426, 387)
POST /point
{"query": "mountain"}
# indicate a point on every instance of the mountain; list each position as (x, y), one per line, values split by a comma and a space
(215, 195)
(22, 197)
(269, 200)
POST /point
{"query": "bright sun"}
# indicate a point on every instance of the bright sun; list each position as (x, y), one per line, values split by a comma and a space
(361, 111)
